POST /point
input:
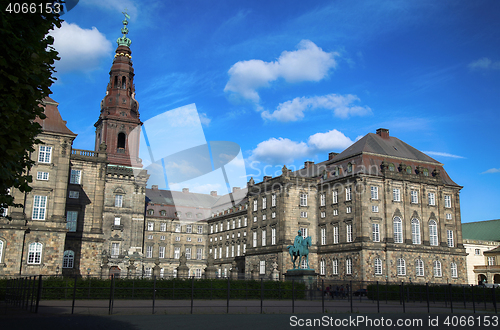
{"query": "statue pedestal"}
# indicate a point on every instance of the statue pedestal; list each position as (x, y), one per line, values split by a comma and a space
(300, 275)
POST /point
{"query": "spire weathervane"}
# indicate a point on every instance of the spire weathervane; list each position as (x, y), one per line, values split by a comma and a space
(124, 41)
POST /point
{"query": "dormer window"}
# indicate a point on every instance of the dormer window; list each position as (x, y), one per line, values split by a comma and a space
(392, 168)
(349, 167)
(408, 169)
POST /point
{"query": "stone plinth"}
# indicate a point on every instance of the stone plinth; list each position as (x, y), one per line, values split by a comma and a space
(301, 275)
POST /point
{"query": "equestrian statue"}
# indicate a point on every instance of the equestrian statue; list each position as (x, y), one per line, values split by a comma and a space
(299, 249)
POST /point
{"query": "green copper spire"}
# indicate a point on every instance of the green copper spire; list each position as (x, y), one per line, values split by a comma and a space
(124, 41)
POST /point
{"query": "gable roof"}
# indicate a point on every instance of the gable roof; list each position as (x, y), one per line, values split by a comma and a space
(482, 230)
(389, 146)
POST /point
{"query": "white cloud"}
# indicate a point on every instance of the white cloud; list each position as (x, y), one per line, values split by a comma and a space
(308, 63)
(329, 141)
(280, 150)
(79, 49)
(285, 151)
(442, 154)
(204, 119)
(341, 105)
(492, 170)
(197, 188)
(484, 64)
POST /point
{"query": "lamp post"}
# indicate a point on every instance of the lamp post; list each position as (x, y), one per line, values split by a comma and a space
(88, 272)
(57, 271)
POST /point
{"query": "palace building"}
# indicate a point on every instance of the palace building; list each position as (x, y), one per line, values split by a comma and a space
(379, 210)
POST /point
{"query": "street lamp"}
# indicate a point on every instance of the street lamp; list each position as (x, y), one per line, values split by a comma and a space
(57, 271)
(88, 272)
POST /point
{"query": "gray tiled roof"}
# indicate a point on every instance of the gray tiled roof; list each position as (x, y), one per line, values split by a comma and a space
(482, 230)
(178, 198)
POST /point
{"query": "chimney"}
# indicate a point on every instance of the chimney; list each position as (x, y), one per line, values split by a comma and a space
(383, 132)
(185, 190)
(308, 163)
(154, 187)
(213, 193)
(331, 155)
(235, 189)
(266, 178)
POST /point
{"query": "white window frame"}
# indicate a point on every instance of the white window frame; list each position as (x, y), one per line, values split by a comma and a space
(44, 176)
(448, 216)
(189, 229)
(491, 261)
(447, 201)
(335, 212)
(39, 207)
(348, 210)
(35, 253)
(254, 239)
(177, 253)
(437, 270)
(68, 259)
(335, 267)
(273, 200)
(199, 253)
(118, 200)
(115, 249)
(263, 237)
(415, 231)
(264, 203)
(322, 267)
(45, 154)
(255, 205)
(414, 197)
(323, 236)
(374, 192)
(449, 238)
(71, 220)
(262, 267)
(151, 226)
(76, 176)
(377, 265)
(232, 251)
(419, 268)
(161, 252)
(375, 232)
(454, 270)
(348, 193)
(303, 230)
(396, 195)
(1, 250)
(375, 208)
(398, 230)
(401, 267)
(177, 228)
(432, 198)
(348, 266)
(322, 199)
(303, 214)
(335, 234)
(273, 236)
(188, 253)
(349, 236)
(163, 226)
(433, 233)
(149, 251)
(335, 196)
(303, 199)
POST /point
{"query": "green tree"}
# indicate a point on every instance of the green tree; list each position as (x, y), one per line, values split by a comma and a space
(26, 67)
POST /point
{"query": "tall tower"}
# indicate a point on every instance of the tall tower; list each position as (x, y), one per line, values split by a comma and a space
(119, 108)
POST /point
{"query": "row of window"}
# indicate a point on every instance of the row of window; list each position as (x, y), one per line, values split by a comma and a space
(35, 255)
(231, 252)
(177, 228)
(177, 252)
(264, 237)
(400, 267)
(227, 236)
(235, 224)
(163, 213)
(264, 202)
(402, 167)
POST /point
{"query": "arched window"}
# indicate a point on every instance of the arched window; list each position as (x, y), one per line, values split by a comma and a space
(425, 172)
(454, 270)
(121, 140)
(419, 267)
(116, 82)
(349, 167)
(398, 230)
(408, 169)
(401, 266)
(437, 268)
(151, 212)
(35, 253)
(378, 266)
(68, 259)
(163, 213)
(322, 267)
(124, 83)
(415, 231)
(433, 233)
(392, 168)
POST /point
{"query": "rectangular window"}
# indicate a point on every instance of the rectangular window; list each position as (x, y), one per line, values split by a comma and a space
(200, 229)
(349, 232)
(323, 236)
(348, 193)
(211, 229)
(151, 226)
(432, 199)
(335, 212)
(323, 214)
(115, 249)
(491, 261)
(348, 266)
(162, 237)
(477, 252)
(228, 225)
(254, 238)
(35, 253)
(188, 239)
(335, 197)
(245, 222)
(348, 209)
(199, 253)
(447, 201)
(232, 251)
(378, 266)
(273, 215)
(75, 177)
(118, 200)
(221, 226)
(448, 216)
(215, 253)
(303, 199)
(189, 229)
(39, 207)
(255, 219)
(150, 236)
(177, 253)
(42, 176)
(449, 236)
(263, 238)
(177, 238)
(273, 200)
(375, 232)
(374, 208)
(255, 205)
(239, 222)
(264, 217)
(303, 214)
(303, 231)
(335, 234)
(264, 203)
(414, 197)
(149, 251)
(454, 270)
(117, 221)
(200, 239)
(234, 224)
(396, 195)
(238, 250)
(374, 192)
(322, 200)
(335, 268)
(74, 194)
(188, 253)
(262, 267)
(161, 252)
(273, 236)
(44, 154)
(163, 226)
(177, 228)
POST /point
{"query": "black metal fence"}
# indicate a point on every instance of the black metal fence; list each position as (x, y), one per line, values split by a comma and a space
(232, 295)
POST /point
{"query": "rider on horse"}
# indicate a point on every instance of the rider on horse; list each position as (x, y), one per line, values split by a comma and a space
(298, 242)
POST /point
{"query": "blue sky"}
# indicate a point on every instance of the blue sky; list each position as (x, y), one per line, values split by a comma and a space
(290, 81)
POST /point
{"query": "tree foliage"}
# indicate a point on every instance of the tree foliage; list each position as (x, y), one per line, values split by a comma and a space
(26, 68)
